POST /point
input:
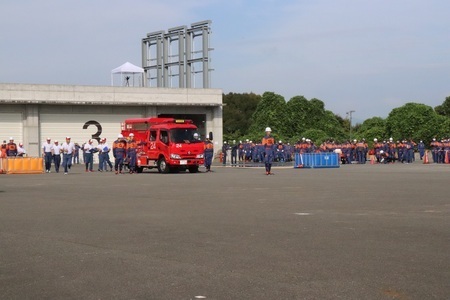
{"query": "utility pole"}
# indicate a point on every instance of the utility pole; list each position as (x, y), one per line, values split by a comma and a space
(349, 114)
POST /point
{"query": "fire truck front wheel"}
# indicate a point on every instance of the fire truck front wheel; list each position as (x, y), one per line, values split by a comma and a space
(162, 166)
(193, 169)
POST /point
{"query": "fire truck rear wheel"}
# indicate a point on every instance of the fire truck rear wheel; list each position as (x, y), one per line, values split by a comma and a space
(162, 166)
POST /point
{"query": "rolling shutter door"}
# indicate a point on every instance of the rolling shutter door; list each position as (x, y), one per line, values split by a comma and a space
(11, 125)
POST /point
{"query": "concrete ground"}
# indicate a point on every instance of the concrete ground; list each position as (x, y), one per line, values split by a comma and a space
(357, 232)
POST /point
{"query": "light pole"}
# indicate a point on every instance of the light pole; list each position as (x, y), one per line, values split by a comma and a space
(349, 113)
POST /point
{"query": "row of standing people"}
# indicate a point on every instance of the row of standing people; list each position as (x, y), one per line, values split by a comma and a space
(123, 149)
(249, 151)
(11, 149)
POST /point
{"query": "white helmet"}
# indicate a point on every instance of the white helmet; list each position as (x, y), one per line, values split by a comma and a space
(120, 136)
(131, 134)
(375, 140)
(268, 129)
(196, 135)
(280, 142)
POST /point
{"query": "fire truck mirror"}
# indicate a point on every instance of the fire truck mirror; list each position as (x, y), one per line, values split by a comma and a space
(210, 135)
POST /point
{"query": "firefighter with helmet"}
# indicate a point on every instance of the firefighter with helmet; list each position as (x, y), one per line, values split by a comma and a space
(119, 152)
(268, 143)
(131, 153)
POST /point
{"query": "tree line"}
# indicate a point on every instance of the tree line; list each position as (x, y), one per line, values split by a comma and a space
(246, 115)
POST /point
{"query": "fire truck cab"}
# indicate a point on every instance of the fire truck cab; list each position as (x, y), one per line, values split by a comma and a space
(165, 143)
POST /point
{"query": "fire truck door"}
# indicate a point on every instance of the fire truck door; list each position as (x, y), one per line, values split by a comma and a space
(152, 145)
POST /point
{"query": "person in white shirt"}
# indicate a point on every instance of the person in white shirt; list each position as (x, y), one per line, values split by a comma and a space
(21, 150)
(68, 149)
(47, 154)
(103, 156)
(89, 150)
(57, 148)
(106, 149)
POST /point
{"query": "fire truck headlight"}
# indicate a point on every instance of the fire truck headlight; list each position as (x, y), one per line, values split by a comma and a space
(199, 156)
(175, 156)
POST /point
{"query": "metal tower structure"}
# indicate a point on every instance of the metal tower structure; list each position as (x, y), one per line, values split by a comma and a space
(181, 53)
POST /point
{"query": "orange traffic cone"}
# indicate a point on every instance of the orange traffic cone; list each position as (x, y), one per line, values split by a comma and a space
(425, 158)
(372, 159)
(446, 157)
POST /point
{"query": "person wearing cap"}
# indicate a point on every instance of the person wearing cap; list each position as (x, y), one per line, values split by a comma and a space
(104, 150)
(21, 152)
(280, 152)
(268, 143)
(234, 151)
(4, 147)
(68, 149)
(47, 154)
(224, 153)
(89, 151)
(76, 154)
(11, 148)
(56, 152)
(208, 154)
(119, 153)
(421, 149)
(131, 153)
(101, 156)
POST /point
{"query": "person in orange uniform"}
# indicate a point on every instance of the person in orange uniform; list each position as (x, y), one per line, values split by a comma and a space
(268, 143)
(3, 149)
(119, 152)
(209, 153)
(11, 149)
(131, 153)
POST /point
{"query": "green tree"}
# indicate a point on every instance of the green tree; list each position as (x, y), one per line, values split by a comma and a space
(371, 128)
(271, 112)
(413, 121)
(304, 115)
(444, 108)
(316, 135)
(237, 113)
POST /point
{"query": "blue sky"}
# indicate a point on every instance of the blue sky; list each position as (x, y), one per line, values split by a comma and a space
(363, 55)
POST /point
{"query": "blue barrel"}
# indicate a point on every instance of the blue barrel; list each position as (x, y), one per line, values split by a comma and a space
(317, 160)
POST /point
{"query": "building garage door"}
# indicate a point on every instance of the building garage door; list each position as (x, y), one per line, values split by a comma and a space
(11, 125)
(81, 127)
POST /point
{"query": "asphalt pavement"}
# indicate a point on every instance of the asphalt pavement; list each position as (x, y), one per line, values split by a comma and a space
(355, 232)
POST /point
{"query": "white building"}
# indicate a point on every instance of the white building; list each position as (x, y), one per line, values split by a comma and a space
(30, 112)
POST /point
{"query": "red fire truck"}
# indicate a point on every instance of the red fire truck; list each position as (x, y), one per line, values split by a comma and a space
(165, 143)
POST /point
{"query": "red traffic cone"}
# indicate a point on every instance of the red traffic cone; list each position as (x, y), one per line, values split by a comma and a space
(425, 158)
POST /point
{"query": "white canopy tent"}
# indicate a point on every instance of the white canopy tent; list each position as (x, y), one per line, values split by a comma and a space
(130, 75)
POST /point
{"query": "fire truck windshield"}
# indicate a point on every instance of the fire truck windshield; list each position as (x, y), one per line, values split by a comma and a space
(184, 135)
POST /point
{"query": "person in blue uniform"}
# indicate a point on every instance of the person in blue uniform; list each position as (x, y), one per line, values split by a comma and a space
(131, 153)
(234, 150)
(224, 153)
(11, 149)
(119, 152)
(209, 154)
(268, 143)
(89, 151)
(421, 148)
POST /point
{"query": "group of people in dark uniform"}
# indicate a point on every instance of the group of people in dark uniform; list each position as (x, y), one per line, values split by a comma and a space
(248, 151)
(351, 152)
